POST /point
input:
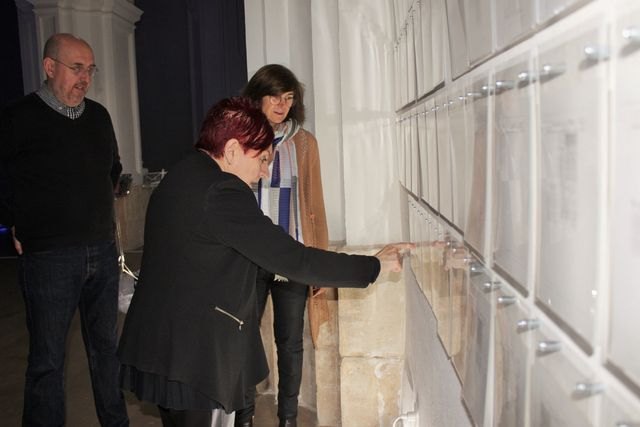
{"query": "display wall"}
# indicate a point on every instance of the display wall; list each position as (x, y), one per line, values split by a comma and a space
(516, 133)
(511, 124)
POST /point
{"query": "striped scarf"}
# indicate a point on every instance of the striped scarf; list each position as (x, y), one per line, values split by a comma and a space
(278, 195)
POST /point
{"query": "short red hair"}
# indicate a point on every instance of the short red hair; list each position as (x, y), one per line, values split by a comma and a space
(235, 118)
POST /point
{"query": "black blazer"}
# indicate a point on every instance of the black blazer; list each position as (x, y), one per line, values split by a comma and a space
(193, 317)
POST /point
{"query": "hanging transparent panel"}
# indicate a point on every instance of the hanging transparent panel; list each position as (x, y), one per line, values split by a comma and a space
(476, 365)
(476, 116)
(459, 143)
(445, 201)
(572, 116)
(478, 24)
(512, 153)
(513, 342)
(514, 19)
(458, 54)
(624, 348)
(565, 392)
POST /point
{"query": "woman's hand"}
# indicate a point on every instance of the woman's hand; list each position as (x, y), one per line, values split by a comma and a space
(391, 256)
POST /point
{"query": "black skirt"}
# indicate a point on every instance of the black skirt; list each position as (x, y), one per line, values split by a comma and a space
(164, 392)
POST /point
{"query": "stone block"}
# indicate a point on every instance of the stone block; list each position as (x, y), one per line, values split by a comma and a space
(372, 320)
(370, 391)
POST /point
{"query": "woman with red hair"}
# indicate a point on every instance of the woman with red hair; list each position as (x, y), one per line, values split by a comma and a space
(191, 339)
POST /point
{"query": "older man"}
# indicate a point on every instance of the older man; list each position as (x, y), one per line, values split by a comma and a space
(59, 154)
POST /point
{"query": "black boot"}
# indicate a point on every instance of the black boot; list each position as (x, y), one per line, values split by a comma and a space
(288, 422)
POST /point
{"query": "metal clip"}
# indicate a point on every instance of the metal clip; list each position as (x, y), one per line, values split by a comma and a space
(631, 34)
(502, 85)
(506, 300)
(490, 286)
(526, 77)
(525, 325)
(550, 70)
(475, 266)
(587, 389)
(548, 347)
(596, 53)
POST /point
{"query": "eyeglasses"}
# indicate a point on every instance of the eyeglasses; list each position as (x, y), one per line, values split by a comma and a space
(77, 70)
(277, 99)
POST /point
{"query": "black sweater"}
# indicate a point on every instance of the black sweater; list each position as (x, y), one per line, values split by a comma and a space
(58, 174)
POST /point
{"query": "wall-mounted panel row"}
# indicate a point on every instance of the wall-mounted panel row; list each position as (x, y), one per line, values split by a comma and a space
(523, 166)
(515, 366)
(463, 34)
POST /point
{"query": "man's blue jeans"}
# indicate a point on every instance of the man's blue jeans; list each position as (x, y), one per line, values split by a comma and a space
(54, 283)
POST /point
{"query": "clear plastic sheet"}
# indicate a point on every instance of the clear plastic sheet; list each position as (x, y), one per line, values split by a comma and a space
(556, 396)
(513, 149)
(434, 385)
(625, 234)
(478, 343)
(476, 117)
(511, 364)
(571, 103)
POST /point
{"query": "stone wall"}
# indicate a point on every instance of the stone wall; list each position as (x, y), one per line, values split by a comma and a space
(371, 345)
(353, 376)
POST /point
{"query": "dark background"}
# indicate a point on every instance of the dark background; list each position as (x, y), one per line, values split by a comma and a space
(11, 70)
(189, 54)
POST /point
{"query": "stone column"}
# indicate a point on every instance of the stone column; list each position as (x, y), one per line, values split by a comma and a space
(32, 74)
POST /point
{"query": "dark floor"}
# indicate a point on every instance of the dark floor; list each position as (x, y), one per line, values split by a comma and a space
(80, 410)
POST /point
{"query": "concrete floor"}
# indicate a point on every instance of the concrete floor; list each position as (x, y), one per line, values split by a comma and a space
(80, 409)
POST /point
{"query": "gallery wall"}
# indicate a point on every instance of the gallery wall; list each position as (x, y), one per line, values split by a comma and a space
(517, 126)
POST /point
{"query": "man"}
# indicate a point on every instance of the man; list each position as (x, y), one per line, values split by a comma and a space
(59, 154)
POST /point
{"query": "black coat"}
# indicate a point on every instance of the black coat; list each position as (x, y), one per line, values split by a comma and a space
(193, 317)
